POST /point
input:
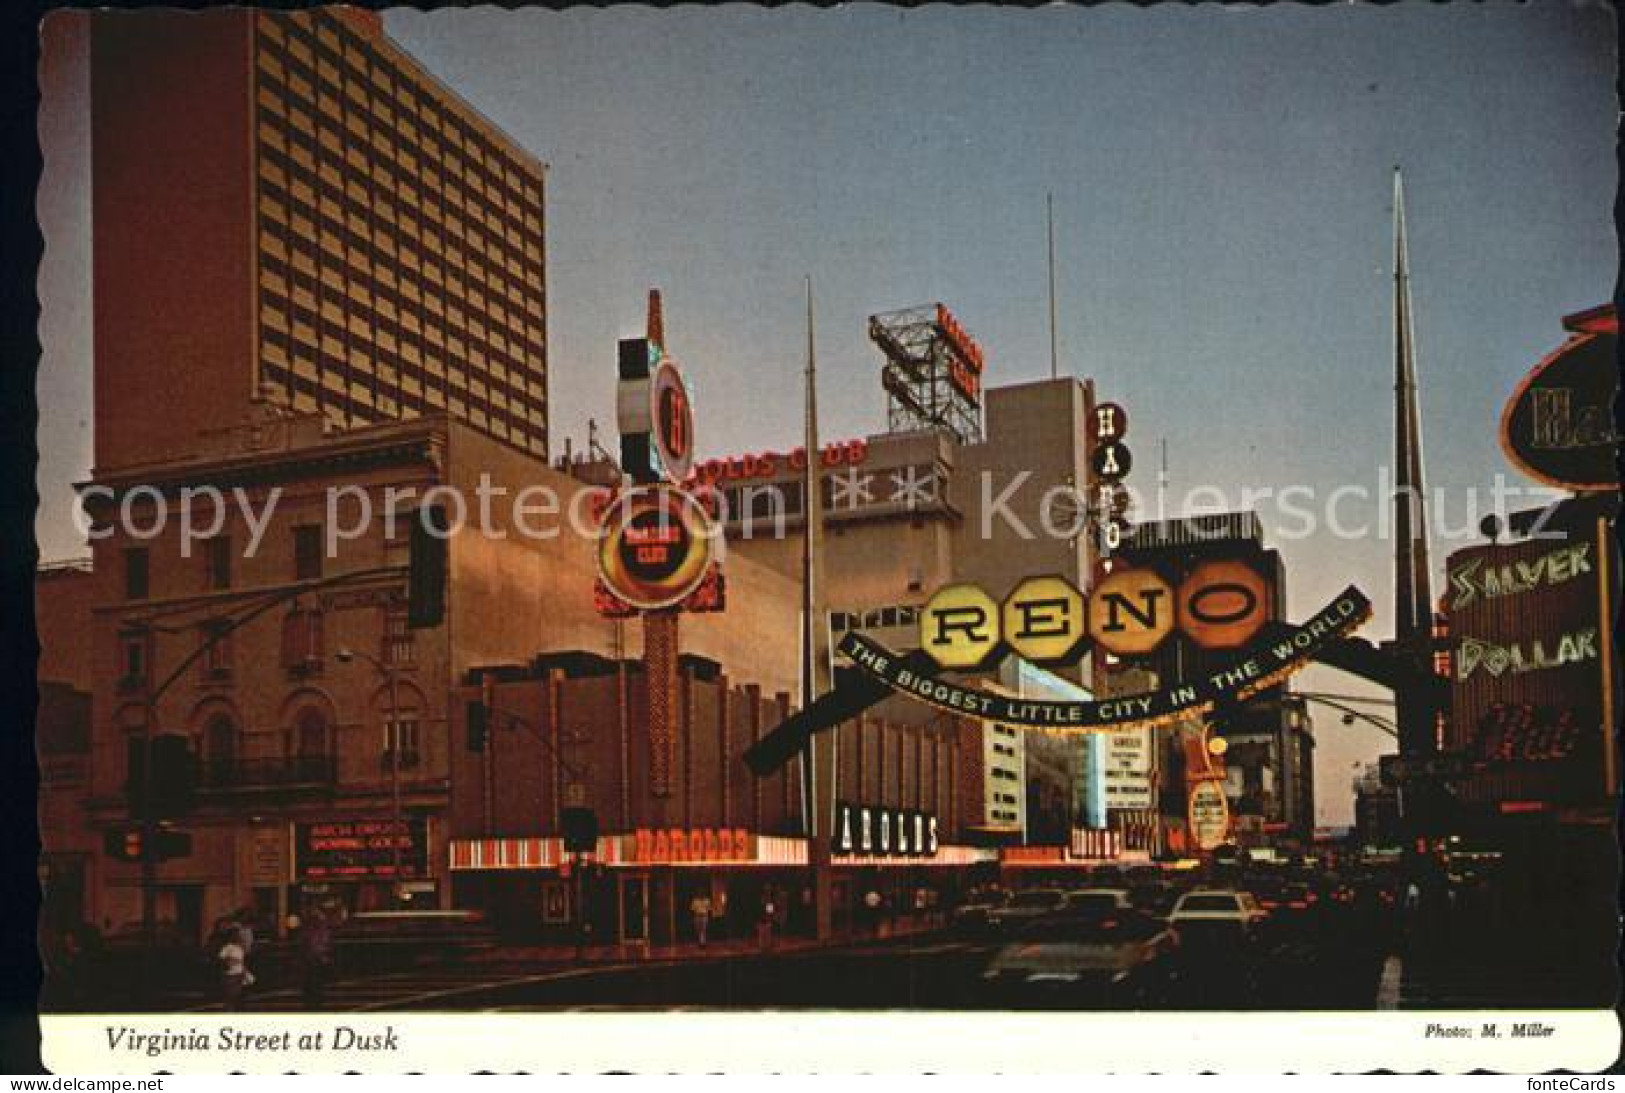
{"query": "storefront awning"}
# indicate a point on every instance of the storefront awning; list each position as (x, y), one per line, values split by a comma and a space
(733, 848)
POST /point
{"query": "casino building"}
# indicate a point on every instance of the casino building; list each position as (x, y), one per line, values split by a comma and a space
(911, 510)
(326, 717)
(1269, 762)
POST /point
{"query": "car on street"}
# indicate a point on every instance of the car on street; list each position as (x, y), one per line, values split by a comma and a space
(1217, 914)
(1026, 906)
(1082, 959)
(976, 913)
(1290, 897)
(1100, 902)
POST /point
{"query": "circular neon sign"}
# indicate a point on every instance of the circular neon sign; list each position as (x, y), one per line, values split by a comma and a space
(655, 547)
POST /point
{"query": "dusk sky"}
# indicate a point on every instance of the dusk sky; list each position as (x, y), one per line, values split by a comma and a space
(1222, 184)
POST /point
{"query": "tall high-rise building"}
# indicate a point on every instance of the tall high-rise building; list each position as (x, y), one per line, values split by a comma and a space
(1270, 738)
(291, 210)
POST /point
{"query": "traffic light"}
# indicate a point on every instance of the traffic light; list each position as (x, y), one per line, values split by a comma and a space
(580, 830)
(426, 578)
(125, 843)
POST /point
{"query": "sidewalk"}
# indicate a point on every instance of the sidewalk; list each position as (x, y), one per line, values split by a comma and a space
(690, 950)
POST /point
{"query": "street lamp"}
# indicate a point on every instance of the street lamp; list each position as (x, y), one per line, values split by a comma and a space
(391, 677)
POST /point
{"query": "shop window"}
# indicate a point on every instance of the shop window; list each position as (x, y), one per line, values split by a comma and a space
(302, 640)
(401, 737)
(215, 663)
(400, 648)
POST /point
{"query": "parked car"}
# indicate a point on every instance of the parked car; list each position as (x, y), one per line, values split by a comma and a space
(975, 914)
(1154, 897)
(1217, 915)
(1082, 959)
(1100, 902)
(1026, 906)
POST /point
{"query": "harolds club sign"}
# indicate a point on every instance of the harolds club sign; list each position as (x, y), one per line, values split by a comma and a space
(758, 465)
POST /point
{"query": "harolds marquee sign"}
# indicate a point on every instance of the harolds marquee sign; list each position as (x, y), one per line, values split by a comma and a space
(898, 832)
(1253, 670)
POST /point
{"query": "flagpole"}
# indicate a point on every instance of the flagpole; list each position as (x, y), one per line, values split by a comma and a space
(817, 757)
(1054, 352)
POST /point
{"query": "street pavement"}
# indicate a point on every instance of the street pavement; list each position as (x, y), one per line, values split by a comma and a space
(1330, 959)
(929, 971)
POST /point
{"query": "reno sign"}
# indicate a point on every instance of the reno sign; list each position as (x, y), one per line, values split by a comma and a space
(1045, 620)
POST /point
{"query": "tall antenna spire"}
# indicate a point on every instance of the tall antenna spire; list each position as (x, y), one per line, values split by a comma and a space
(1413, 597)
(1054, 353)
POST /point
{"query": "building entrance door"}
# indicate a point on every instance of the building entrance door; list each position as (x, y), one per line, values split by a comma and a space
(634, 909)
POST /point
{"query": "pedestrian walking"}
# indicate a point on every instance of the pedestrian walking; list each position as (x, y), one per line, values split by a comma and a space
(767, 920)
(315, 956)
(244, 918)
(871, 910)
(234, 974)
(700, 908)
